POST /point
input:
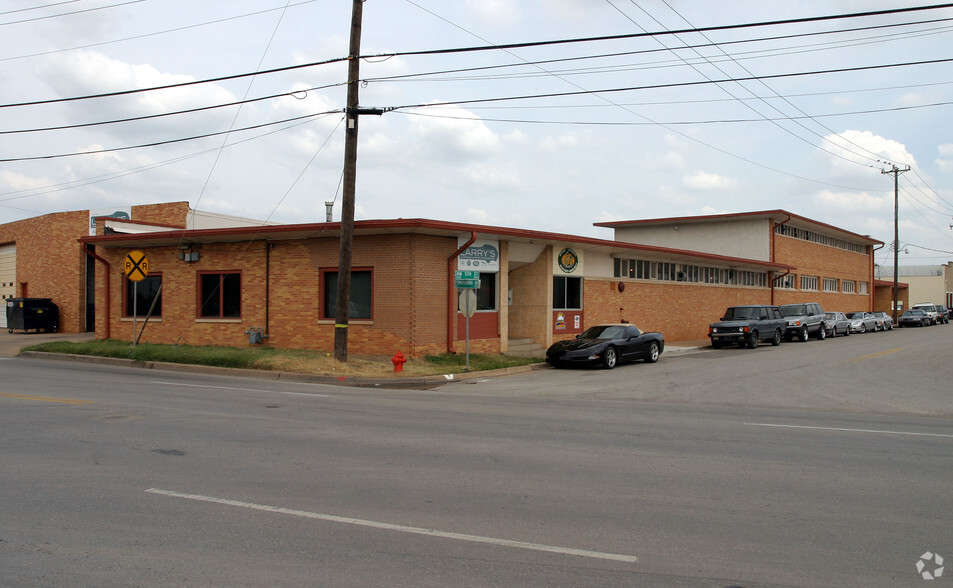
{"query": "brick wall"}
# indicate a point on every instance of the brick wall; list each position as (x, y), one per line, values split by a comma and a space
(171, 214)
(680, 311)
(822, 261)
(50, 263)
(410, 280)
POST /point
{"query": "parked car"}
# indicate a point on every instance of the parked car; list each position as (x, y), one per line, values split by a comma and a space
(804, 320)
(861, 322)
(837, 323)
(914, 318)
(607, 345)
(944, 312)
(747, 325)
(884, 320)
(931, 310)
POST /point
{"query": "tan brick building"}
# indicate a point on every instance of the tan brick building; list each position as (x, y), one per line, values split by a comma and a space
(216, 285)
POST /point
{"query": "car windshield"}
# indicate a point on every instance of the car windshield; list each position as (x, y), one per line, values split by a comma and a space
(741, 313)
(793, 310)
(603, 332)
(855, 315)
(912, 313)
(830, 315)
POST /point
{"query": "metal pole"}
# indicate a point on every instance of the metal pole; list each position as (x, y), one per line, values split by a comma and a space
(135, 310)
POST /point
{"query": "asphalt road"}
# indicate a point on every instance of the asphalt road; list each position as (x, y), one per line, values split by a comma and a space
(810, 464)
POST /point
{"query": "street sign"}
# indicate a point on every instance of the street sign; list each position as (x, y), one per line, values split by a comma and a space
(466, 279)
(136, 266)
(468, 303)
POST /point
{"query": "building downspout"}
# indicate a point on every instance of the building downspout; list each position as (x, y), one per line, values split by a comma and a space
(872, 289)
(267, 282)
(774, 235)
(108, 291)
(452, 290)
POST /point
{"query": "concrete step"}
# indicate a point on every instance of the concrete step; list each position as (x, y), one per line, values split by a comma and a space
(525, 347)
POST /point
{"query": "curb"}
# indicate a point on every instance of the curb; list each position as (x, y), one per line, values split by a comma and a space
(418, 382)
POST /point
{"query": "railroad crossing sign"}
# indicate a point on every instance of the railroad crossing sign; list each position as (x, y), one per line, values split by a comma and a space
(136, 266)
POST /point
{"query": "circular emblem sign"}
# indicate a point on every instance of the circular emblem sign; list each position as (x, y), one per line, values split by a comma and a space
(568, 260)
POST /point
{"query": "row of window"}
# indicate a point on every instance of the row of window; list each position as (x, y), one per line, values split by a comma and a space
(220, 295)
(818, 238)
(829, 284)
(679, 272)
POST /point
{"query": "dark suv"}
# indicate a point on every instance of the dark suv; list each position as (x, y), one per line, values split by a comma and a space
(747, 325)
(803, 320)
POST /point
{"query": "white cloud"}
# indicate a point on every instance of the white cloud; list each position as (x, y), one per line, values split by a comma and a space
(708, 182)
(560, 142)
(945, 162)
(864, 147)
(460, 133)
(496, 11)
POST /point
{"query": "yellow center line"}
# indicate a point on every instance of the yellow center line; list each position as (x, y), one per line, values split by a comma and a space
(46, 398)
(878, 354)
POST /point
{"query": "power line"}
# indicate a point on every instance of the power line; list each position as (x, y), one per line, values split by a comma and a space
(170, 141)
(424, 75)
(676, 84)
(662, 33)
(481, 48)
(153, 34)
(49, 16)
(294, 93)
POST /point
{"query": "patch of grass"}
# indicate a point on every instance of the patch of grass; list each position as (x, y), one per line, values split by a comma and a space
(286, 360)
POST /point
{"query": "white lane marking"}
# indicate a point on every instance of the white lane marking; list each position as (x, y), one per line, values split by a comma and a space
(239, 389)
(849, 430)
(400, 528)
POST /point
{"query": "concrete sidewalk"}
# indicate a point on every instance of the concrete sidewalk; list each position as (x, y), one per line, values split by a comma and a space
(12, 343)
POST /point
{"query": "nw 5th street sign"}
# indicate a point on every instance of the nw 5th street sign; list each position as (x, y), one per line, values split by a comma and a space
(467, 279)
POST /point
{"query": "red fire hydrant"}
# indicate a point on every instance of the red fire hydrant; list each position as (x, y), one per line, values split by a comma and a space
(398, 361)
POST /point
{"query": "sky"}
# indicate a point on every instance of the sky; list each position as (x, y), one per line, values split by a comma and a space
(804, 117)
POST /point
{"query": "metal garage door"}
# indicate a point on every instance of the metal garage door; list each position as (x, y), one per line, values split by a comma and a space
(8, 279)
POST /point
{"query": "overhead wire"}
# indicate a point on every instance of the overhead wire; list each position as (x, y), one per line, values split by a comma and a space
(83, 11)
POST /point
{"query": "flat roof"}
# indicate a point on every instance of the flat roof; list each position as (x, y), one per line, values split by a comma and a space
(779, 216)
(164, 238)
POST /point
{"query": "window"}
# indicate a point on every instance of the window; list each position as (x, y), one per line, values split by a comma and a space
(808, 282)
(567, 293)
(361, 295)
(221, 295)
(486, 293)
(785, 281)
(848, 286)
(830, 285)
(863, 287)
(140, 295)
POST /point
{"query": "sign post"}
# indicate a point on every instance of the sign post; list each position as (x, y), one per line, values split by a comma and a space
(136, 268)
(467, 283)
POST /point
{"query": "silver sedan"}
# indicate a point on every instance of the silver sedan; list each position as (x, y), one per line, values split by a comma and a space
(861, 322)
(836, 324)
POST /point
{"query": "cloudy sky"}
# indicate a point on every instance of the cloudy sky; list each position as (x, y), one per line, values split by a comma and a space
(802, 116)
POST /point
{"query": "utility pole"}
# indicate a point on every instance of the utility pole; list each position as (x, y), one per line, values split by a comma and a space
(350, 181)
(896, 231)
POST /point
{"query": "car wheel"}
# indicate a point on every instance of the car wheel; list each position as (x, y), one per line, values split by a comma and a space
(653, 353)
(863, 327)
(609, 358)
(776, 340)
(752, 341)
(822, 332)
(847, 331)
(802, 334)
(716, 345)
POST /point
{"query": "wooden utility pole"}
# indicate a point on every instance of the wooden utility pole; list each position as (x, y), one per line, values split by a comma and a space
(350, 181)
(896, 232)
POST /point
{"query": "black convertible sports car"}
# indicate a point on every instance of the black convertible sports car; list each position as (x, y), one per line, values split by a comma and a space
(607, 345)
